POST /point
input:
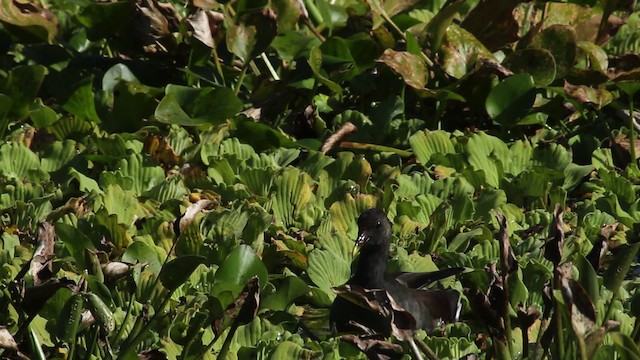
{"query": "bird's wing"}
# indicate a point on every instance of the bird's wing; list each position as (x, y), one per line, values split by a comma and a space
(416, 280)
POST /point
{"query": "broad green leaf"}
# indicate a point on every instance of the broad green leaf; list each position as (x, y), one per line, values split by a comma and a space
(539, 63)
(461, 51)
(241, 265)
(177, 271)
(140, 252)
(20, 88)
(315, 62)
(511, 99)
(80, 101)
(289, 289)
(251, 35)
(105, 19)
(187, 106)
(560, 41)
(411, 68)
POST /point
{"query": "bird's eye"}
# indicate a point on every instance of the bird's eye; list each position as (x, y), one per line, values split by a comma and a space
(378, 224)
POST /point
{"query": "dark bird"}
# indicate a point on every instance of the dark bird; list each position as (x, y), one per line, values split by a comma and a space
(428, 307)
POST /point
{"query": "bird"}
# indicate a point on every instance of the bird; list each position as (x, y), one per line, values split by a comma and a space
(428, 307)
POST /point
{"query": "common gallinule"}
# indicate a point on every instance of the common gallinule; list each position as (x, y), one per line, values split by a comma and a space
(428, 307)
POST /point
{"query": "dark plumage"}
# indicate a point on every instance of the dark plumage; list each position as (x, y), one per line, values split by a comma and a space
(426, 306)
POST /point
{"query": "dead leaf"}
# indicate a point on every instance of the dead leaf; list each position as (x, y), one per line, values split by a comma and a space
(206, 24)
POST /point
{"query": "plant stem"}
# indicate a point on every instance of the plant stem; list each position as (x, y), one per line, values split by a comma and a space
(240, 80)
(374, 147)
(126, 317)
(632, 131)
(273, 72)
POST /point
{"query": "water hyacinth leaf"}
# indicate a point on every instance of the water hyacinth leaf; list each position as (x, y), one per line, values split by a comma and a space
(411, 68)
(251, 35)
(249, 131)
(511, 99)
(101, 312)
(461, 51)
(333, 15)
(439, 24)
(177, 271)
(539, 63)
(240, 265)
(586, 95)
(141, 252)
(596, 57)
(560, 40)
(188, 106)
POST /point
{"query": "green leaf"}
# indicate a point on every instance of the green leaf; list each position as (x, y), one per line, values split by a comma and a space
(141, 252)
(187, 106)
(315, 62)
(619, 266)
(18, 162)
(21, 87)
(289, 289)
(75, 242)
(293, 201)
(427, 143)
(539, 63)
(511, 99)
(240, 265)
(461, 51)
(625, 345)
(326, 270)
(560, 41)
(105, 19)
(59, 154)
(37, 22)
(177, 271)
(123, 204)
(80, 101)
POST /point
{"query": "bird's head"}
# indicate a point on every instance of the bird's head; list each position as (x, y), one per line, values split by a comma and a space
(374, 230)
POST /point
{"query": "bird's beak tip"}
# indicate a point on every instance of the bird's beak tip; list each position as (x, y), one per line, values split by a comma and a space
(360, 240)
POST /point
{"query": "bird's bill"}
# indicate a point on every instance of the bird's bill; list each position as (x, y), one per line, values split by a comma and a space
(360, 240)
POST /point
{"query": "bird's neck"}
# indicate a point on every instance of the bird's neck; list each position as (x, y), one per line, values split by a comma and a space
(371, 267)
